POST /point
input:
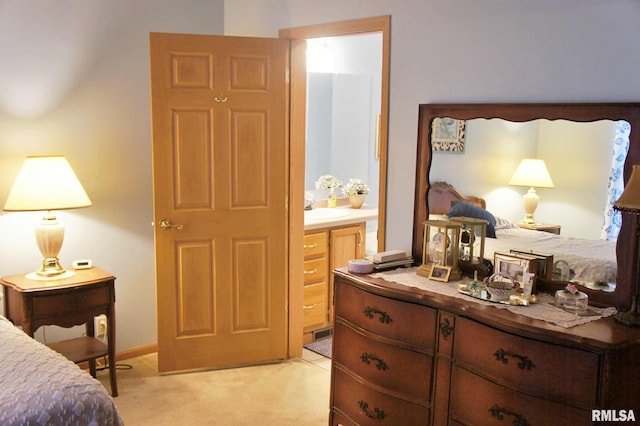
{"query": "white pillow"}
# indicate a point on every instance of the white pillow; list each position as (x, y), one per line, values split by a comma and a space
(502, 223)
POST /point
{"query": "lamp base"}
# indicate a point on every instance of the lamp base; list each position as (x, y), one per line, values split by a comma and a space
(50, 267)
(630, 318)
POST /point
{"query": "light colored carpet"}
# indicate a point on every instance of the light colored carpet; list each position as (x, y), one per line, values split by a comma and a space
(294, 392)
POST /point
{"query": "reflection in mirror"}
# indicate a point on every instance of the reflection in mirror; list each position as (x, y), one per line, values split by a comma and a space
(578, 157)
(567, 161)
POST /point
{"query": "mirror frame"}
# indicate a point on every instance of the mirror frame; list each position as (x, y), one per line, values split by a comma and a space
(519, 112)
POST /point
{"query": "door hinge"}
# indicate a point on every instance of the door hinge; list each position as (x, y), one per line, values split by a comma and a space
(286, 75)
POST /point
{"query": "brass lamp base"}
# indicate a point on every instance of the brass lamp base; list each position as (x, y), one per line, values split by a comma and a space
(50, 267)
(632, 317)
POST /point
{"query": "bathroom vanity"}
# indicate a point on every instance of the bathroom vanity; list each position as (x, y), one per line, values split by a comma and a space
(332, 238)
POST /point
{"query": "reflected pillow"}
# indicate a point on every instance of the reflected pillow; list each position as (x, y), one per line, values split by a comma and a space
(466, 209)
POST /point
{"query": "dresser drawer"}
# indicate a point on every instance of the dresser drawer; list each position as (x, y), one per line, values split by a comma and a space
(556, 372)
(315, 270)
(476, 401)
(315, 244)
(402, 321)
(369, 407)
(70, 302)
(403, 372)
(315, 304)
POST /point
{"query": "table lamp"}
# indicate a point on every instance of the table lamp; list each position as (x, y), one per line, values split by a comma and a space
(47, 183)
(629, 203)
(531, 172)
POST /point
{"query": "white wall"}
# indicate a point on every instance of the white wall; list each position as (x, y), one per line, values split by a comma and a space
(75, 81)
(474, 51)
(88, 60)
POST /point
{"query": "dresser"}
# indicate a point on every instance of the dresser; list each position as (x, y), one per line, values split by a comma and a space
(405, 356)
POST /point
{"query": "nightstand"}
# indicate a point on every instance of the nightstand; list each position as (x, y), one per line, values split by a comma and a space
(545, 227)
(67, 302)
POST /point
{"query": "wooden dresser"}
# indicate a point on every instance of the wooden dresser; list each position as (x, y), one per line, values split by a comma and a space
(406, 356)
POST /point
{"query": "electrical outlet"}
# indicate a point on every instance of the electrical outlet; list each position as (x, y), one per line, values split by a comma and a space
(100, 325)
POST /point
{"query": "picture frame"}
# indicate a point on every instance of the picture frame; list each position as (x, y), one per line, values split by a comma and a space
(545, 262)
(440, 273)
(514, 266)
(448, 135)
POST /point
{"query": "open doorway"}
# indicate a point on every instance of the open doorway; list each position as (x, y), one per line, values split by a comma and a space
(343, 109)
(298, 98)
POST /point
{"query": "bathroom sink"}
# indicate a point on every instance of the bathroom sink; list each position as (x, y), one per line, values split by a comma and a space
(325, 213)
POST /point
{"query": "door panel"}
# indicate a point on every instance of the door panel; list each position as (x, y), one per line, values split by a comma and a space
(220, 170)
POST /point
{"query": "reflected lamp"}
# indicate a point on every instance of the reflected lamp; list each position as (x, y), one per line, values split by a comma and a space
(532, 173)
(629, 203)
(47, 183)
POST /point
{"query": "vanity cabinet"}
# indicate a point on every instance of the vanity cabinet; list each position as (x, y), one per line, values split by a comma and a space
(326, 249)
(408, 356)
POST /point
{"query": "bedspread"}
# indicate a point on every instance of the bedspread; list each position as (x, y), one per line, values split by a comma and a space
(592, 260)
(38, 386)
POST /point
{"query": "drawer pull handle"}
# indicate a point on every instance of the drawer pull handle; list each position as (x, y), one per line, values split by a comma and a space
(313, 271)
(380, 365)
(446, 328)
(309, 306)
(369, 312)
(524, 364)
(499, 413)
(377, 413)
(310, 246)
(75, 301)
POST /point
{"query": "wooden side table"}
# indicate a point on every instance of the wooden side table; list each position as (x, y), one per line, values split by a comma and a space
(545, 227)
(67, 302)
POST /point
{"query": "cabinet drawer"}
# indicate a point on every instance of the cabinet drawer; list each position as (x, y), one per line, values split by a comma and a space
(315, 244)
(70, 302)
(553, 371)
(315, 270)
(402, 321)
(476, 401)
(315, 304)
(369, 407)
(404, 373)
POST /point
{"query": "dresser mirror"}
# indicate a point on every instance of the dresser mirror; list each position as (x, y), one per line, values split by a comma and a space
(520, 113)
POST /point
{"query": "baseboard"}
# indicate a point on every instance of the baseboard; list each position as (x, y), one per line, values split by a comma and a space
(128, 354)
(136, 352)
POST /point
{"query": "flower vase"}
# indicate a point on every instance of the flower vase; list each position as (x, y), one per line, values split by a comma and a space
(332, 201)
(356, 200)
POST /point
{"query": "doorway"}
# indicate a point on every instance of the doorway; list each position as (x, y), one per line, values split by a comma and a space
(298, 37)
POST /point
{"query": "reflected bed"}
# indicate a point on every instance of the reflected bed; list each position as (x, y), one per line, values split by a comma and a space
(592, 261)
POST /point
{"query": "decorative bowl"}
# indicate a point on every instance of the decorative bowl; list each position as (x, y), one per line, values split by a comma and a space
(500, 286)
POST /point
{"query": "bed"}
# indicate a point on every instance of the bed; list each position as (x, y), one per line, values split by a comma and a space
(38, 386)
(593, 262)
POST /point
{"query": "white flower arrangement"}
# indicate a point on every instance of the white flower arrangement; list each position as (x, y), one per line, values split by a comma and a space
(328, 182)
(355, 186)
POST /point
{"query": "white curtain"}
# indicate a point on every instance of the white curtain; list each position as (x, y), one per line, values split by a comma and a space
(613, 218)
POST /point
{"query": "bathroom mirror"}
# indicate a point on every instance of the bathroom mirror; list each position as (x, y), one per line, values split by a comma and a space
(629, 112)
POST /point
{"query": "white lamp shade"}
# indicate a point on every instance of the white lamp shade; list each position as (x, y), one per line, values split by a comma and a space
(46, 183)
(532, 172)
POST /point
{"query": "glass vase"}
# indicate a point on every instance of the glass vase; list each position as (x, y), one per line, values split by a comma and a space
(578, 301)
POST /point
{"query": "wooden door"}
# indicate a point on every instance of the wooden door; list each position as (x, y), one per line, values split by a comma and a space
(220, 173)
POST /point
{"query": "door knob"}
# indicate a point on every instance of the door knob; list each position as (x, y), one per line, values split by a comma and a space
(166, 224)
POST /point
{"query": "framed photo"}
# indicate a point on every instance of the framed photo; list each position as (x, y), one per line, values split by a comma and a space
(440, 273)
(545, 262)
(514, 266)
(447, 134)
